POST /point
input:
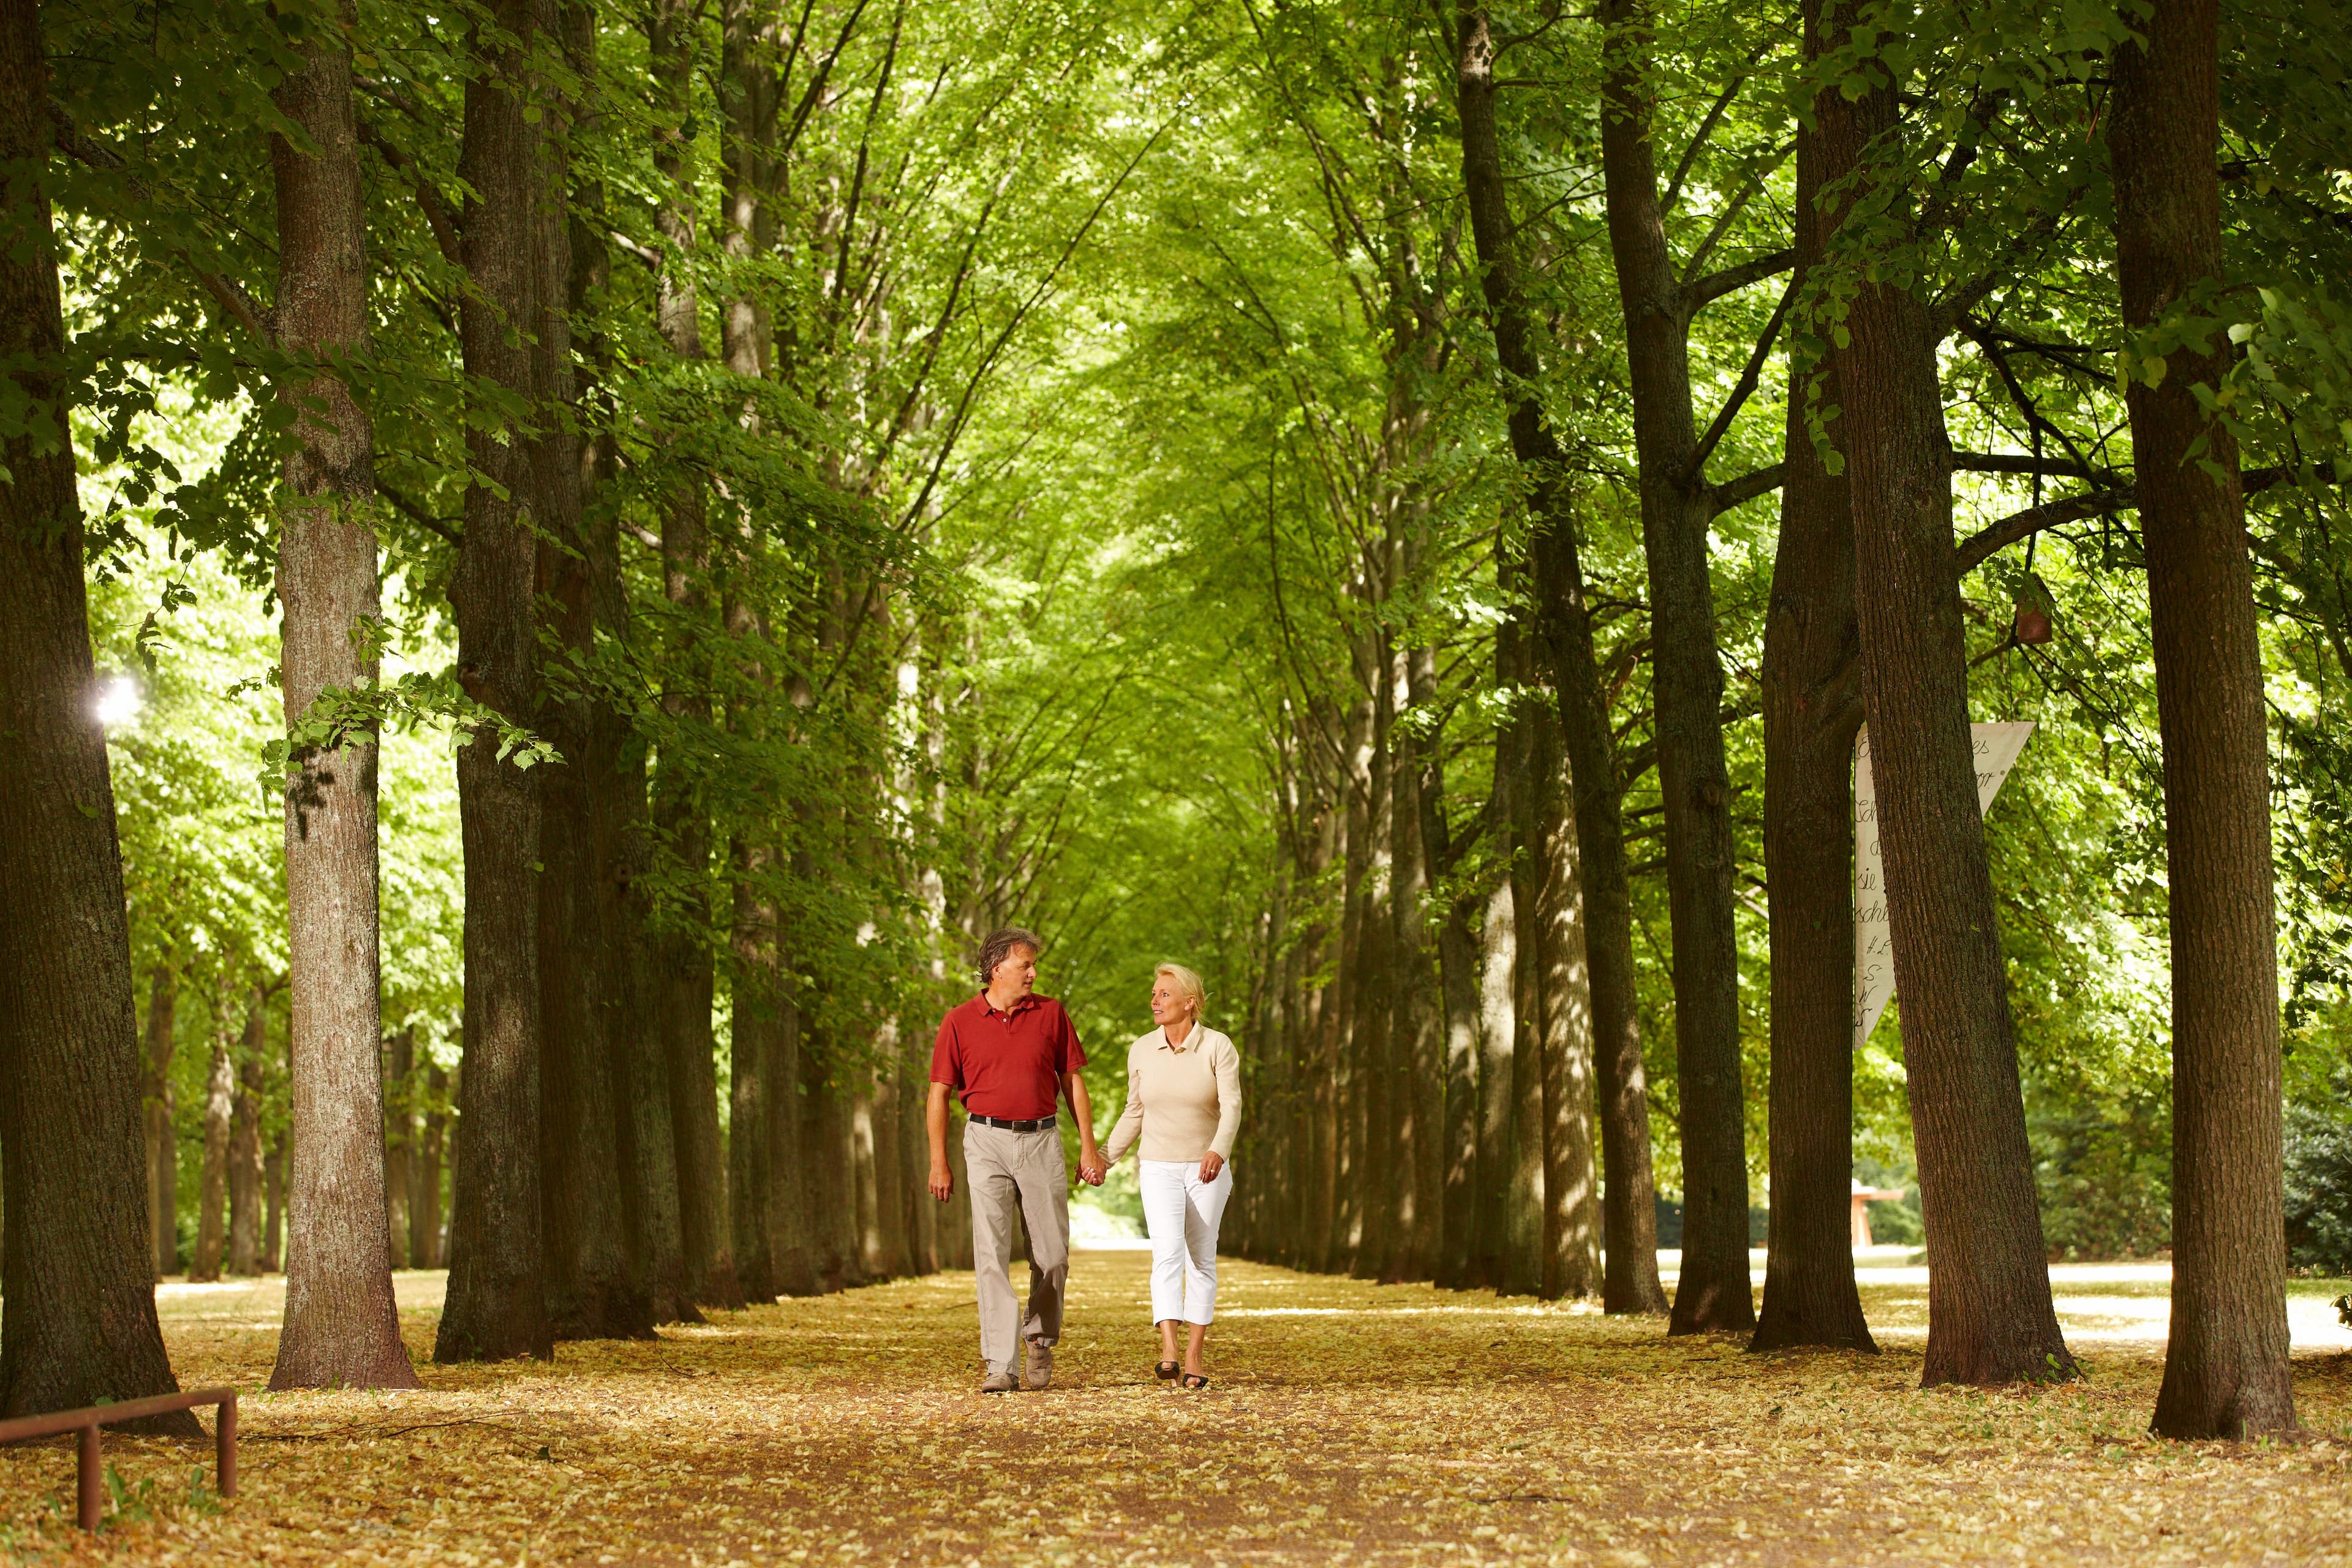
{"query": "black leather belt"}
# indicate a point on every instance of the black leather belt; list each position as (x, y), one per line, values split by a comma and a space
(1040, 1125)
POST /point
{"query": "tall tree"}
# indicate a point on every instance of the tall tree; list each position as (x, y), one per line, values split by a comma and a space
(1695, 786)
(1812, 711)
(2225, 1361)
(497, 1305)
(76, 1285)
(342, 1328)
(1990, 1316)
(1562, 627)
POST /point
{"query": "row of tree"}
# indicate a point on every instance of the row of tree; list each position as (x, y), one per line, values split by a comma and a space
(1444, 989)
(700, 656)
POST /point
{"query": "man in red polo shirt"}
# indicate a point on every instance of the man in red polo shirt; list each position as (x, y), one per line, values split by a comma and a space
(1009, 1053)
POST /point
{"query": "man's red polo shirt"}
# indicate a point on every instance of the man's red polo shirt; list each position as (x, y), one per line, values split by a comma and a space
(1007, 1064)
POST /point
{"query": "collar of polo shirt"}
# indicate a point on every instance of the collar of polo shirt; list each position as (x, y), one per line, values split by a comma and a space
(1181, 1049)
(1019, 1004)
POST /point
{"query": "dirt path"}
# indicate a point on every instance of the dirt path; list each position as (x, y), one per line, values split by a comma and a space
(1347, 1423)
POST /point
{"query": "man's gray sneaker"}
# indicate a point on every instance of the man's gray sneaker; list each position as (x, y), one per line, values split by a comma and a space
(1037, 1371)
(997, 1382)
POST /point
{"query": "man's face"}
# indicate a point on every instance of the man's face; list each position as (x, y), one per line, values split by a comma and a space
(1017, 971)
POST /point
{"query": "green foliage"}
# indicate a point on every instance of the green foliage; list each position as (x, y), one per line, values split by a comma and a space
(2319, 1188)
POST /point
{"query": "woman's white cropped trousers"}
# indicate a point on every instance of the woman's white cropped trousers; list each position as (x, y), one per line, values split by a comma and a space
(1182, 1213)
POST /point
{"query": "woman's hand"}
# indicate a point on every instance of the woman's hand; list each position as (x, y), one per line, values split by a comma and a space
(1211, 1164)
(1092, 1169)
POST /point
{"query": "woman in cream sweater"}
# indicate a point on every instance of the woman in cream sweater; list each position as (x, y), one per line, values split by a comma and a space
(1183, 1107)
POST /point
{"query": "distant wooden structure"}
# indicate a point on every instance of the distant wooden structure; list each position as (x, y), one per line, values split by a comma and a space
(1862, 1198)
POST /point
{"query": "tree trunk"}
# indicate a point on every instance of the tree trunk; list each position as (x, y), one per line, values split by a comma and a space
(592, 1291)
(1571, 1225)
(751, 1078)
(1497, 1034)
(654, 1204)
(889, 1165)
(1524, 1226)
(679, 959)
(77, 1280)
(497, 1301)
(159, 1104)
(1411, 1025)
(273, 1212)
(833, 1187)
(1454, 1075)
(245, 1150)
(1686, 685)
(399, 1137)
(212, 1178)
(791, 1240)
(341, 1330)
(864, 1195)
(1563, 633)
(1812, 708)
(1499, 961)
(1990, 1319)
(2225, 1362)
(425, 1208)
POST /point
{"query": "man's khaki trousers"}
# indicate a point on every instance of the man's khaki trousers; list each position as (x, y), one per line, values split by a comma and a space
(1005, 1169)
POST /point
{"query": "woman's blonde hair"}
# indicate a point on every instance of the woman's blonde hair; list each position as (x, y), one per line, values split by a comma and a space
(1187, 984)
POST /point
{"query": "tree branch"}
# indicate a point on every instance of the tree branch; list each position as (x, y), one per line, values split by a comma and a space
(1982, 546)
(2023, 463)
(1746, 488)
(1715, 285)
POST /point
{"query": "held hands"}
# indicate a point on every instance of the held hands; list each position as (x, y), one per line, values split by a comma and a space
(1211, 1164)
(1092, 1169)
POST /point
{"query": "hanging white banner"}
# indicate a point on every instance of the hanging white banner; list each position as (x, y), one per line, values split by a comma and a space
(1997, 746)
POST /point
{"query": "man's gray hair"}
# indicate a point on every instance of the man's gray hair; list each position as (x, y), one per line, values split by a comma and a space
(999, 947)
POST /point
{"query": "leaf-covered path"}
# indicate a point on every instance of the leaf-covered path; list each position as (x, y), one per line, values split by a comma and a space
(1348, 1422)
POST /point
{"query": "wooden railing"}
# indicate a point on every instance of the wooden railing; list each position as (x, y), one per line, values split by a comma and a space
(90, 1474)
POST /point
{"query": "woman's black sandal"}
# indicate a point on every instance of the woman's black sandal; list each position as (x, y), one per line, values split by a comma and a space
(1165, 1372)
(1194, 1380)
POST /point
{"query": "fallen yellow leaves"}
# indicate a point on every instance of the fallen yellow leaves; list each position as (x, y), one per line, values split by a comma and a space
(1346, 1421)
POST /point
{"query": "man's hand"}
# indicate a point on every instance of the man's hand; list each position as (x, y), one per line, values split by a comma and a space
(1092, 1168)
(1211, 1164)
(935, 1127)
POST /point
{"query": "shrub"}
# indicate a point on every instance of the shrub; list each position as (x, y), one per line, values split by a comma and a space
(2106, 1177)
(2319, 1189)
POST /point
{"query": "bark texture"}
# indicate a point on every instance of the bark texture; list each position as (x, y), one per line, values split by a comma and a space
(342, 1328)
(76, 1285)
(2225, 1362)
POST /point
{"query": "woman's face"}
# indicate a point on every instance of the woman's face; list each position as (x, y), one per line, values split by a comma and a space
(1168, 1004)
